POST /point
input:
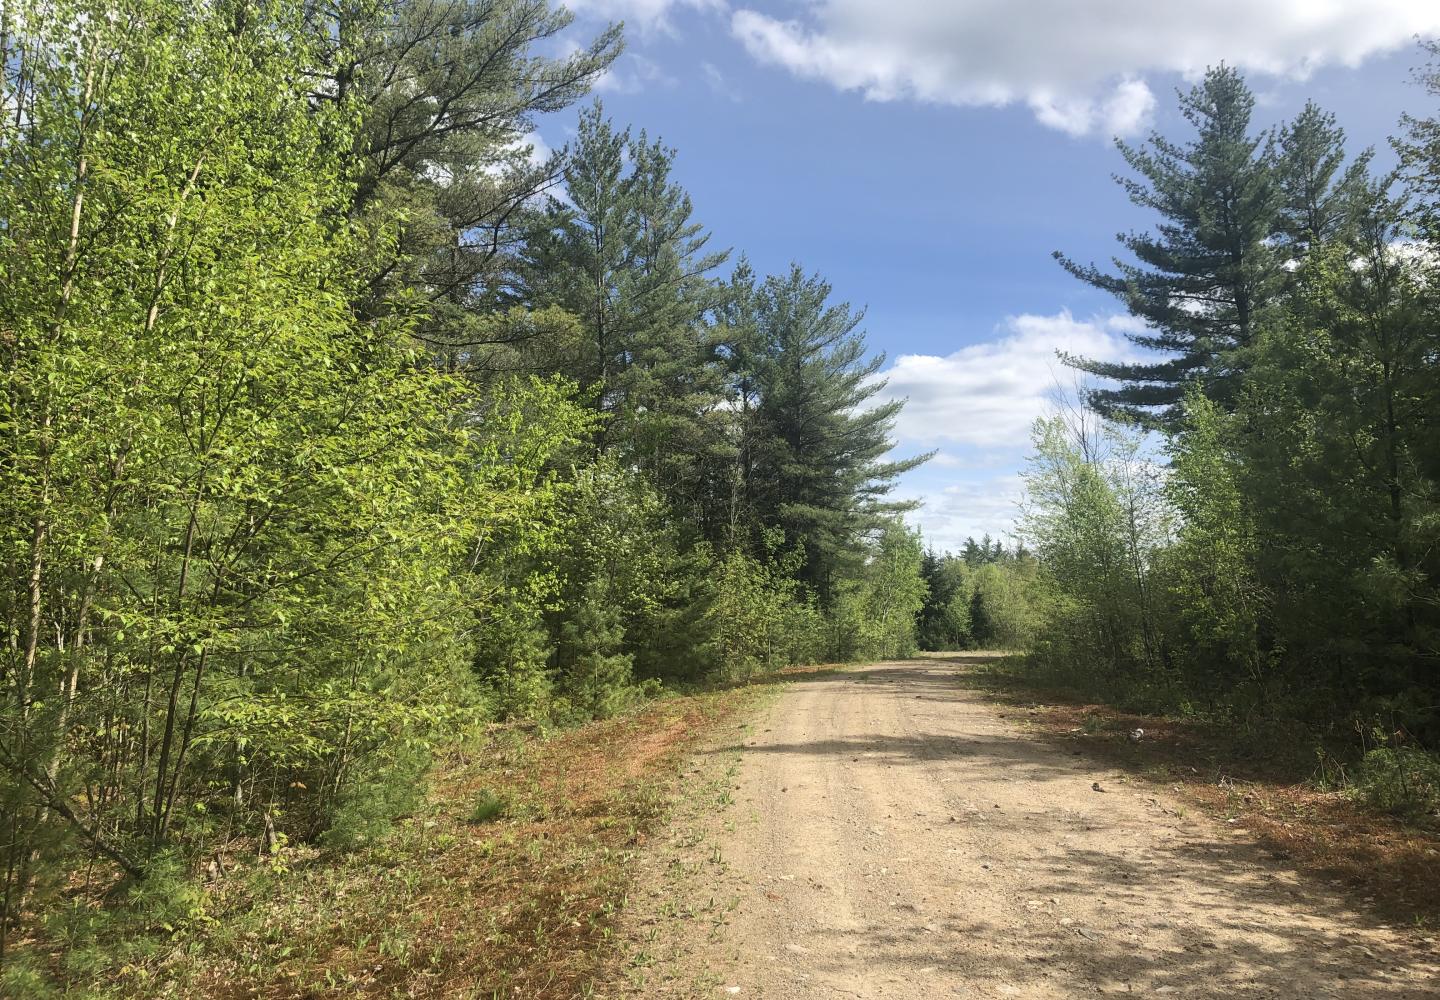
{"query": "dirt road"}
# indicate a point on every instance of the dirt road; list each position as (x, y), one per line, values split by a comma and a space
(892, 836)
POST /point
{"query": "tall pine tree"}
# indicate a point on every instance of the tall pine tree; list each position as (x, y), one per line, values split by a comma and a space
(1204, 274)
(815, 460)
(1320, 200)
(448, 92)
(626, 258)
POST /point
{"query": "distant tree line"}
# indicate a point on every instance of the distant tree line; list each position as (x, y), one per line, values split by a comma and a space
(979, 598)
(337, 420)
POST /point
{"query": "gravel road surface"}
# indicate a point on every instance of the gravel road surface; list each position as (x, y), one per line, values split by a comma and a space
(893, 836)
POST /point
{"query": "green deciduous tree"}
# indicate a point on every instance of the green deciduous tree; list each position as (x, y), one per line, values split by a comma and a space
(1221, 607)
(875, 610)
(1095, 516)
(241, 519)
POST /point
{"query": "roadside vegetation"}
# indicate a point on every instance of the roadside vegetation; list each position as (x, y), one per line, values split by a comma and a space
(506, 877)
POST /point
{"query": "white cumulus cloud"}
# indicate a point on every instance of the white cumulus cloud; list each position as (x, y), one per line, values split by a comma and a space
(988, 395)
(948, 515)
(647, 15)
(1079, 66)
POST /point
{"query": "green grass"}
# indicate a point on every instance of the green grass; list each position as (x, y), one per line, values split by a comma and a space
(489, 807)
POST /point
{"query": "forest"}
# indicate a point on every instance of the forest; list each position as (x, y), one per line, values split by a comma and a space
(341, 421)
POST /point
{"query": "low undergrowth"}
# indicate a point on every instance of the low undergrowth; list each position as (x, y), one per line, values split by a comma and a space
(1311, 805)
(504, 881)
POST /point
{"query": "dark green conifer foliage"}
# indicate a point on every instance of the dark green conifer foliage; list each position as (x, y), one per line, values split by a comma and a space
(1341, 460)
(448, 91)
(815, 460)
(627, 259)
(738, 335)
(944, 618)
(1319, 198)
(1289, 569)
(1419, 151)
(1201, 278)
(980, 553)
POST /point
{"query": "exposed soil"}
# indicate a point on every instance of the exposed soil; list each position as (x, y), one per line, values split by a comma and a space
(891, 835)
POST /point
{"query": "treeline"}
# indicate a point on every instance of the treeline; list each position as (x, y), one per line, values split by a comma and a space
(981, 598)
(1251, 533)
(337, 421)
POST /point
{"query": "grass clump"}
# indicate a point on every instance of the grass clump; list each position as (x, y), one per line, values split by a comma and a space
(489, 807)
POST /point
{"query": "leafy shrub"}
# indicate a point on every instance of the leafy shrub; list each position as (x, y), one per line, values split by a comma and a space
(1403, 780)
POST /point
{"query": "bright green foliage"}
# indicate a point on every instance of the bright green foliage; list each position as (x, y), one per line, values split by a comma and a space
(1095, 516)
(760, 618)
(324, 441)
(1008, 603)
(232, 508)
(488, 807)
(616, 566)
(896, 592)
(1220, 605)
(520, 433)
(982, 622)
(366, 805)
(1401, 779)
(875, 613)
(986, 597)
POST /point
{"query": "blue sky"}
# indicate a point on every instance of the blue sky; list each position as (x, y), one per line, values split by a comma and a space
(927, 156)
